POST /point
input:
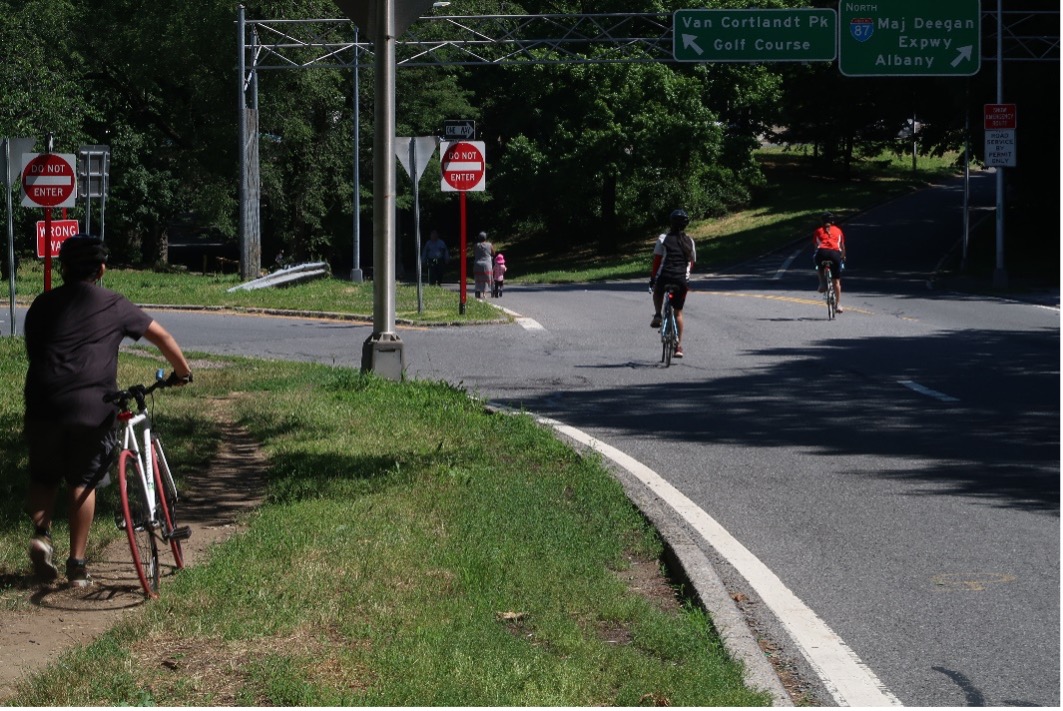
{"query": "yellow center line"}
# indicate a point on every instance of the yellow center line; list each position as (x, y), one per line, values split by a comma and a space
(790, 299)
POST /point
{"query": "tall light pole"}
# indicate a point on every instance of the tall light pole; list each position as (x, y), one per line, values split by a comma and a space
(383, 352)
(356, 269)
(1000, 275)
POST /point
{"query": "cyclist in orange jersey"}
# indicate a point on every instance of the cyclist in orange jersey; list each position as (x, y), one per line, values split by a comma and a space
(829, 244)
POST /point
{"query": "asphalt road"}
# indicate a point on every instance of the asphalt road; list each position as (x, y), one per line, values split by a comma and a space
(895, 470)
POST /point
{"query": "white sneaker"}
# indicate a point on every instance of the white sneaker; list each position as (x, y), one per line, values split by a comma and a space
(41, 556)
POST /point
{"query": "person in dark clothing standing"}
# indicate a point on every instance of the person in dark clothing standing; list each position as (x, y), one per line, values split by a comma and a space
(73, 334)
(673, 258)
(434, 256)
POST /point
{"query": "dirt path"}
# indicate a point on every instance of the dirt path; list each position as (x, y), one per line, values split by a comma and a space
(59, 617)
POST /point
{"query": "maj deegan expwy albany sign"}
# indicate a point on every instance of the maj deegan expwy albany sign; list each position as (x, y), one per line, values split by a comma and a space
(910, 37)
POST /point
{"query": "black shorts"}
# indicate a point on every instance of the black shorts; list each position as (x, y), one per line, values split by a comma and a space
(679, 298)
(835, 258)
(77, 454)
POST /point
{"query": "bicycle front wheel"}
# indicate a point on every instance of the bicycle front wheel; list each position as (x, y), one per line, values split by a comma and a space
(138, 525)
(670, 338)
(166, 496)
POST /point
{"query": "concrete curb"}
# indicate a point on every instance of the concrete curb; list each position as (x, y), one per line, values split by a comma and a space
(688, 562)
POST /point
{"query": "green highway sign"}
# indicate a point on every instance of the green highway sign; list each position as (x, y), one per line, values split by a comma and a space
(910, 38)
(797, 35)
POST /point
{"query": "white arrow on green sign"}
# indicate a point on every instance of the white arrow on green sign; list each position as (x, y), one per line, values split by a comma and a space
(910, 38)
(795, 35)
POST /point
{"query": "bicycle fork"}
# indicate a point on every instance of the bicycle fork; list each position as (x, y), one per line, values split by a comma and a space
(143, 469)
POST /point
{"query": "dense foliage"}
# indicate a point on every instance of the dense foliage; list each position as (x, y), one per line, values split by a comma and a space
(591, 153)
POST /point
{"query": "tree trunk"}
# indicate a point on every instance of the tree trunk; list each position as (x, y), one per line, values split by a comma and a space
(609, 241)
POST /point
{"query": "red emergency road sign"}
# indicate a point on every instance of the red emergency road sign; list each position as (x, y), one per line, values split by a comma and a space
(49, 180)
(61, 230)
(1000, 116)
(463, 166)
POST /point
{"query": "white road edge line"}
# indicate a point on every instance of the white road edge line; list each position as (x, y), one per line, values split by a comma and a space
(923, 390)
(786, 265)
(529, 324)
(848, 679)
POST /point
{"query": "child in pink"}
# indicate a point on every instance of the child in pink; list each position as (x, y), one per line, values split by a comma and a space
(500, 270)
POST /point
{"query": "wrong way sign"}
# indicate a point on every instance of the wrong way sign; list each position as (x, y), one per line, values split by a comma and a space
(61, 231)
(463, 165)
(49, 180)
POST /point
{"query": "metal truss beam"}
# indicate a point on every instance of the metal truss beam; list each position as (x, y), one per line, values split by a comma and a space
(556, 39)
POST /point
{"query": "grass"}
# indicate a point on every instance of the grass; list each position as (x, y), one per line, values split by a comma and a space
(414, 550)
(330, 295)
(786, 209)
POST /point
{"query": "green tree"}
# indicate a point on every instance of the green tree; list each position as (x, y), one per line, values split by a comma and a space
(38, 83)
(162, 97)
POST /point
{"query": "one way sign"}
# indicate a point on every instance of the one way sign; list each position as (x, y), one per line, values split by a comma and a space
(459, 129)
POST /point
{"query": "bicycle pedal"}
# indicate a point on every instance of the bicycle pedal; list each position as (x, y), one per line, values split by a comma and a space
(181, 533)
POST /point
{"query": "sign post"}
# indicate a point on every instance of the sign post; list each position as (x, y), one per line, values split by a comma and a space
(795, 35)
(12, 147)
(48, 180)
(910, 38)
(464, 168)
(414, 154)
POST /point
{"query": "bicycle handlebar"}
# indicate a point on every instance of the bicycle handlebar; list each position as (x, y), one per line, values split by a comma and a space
(139, 393)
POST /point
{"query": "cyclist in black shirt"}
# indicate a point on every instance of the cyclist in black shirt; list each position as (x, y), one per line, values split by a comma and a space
(673, 258)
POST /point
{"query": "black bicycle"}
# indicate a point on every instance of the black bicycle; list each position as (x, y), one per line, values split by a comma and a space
(830, 295)
(669, 328)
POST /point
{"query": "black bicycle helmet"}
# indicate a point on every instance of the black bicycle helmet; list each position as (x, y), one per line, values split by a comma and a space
(679, 219)
(828, 217)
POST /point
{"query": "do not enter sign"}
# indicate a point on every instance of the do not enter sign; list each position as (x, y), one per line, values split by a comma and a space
(463, 166)
(48, 180)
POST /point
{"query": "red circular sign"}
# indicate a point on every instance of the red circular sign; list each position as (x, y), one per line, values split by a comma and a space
(48, 180)
(463, 166)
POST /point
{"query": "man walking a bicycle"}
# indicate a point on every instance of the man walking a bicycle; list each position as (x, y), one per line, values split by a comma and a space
(73, 334)
(673, 258)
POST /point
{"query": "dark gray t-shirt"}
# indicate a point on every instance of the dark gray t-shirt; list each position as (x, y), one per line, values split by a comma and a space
(72, 337)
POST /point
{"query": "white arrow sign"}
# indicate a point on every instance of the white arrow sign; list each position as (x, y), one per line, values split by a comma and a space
(965, 54)
(689, 41)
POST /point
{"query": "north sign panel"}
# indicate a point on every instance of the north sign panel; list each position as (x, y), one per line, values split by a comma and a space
(796, 35)
(909, 38)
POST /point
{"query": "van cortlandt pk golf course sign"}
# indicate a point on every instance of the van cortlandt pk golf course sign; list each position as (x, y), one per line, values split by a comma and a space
(797, 35)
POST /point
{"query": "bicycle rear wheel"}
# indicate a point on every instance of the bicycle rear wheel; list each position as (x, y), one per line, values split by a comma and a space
(831, 297)
(166, 495)
(138, 526)
(669, 336)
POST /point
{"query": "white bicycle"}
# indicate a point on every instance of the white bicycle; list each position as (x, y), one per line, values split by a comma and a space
(146, 486)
